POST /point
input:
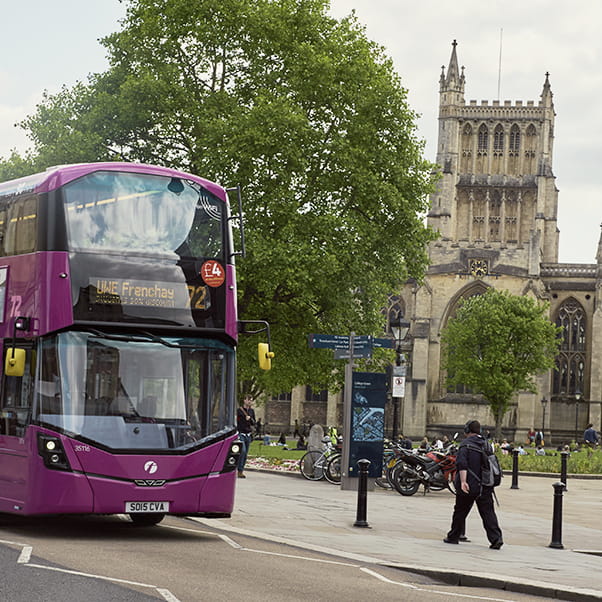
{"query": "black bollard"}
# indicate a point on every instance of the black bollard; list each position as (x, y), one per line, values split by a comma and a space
(362, 494)
(557, 517)
(564, 456)
(514, 469)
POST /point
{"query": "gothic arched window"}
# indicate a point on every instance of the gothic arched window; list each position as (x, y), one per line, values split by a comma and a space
(498, 139)
(514, 139)
(483, 139)
(569, 376)
(478, 288)
(394, 311)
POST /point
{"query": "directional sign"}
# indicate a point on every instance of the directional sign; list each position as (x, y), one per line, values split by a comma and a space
(336, 341)
(328, 341)
(383, 343)
(343, 354)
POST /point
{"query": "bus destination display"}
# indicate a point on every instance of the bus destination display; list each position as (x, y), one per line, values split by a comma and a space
(175, 295)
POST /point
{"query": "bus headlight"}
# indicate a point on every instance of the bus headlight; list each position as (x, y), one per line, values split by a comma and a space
(232, 458)
(52, 452)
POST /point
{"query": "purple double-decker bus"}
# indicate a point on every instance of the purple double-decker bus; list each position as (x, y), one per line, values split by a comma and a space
(119, 328)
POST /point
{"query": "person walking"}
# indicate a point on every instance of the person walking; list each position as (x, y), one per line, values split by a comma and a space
(245, 421)
(469, 464)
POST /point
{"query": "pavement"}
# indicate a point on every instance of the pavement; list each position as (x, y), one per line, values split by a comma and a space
(407, 532)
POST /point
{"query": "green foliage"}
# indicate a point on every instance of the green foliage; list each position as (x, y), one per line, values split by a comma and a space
(309, 116)
(586, 461)
(16, 166)
(496, 344)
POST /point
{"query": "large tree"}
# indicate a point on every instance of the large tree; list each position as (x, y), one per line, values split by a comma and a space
(302, 110)
(496, 344)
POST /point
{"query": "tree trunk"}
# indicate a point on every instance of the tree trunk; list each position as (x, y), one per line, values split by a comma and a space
(499, 416)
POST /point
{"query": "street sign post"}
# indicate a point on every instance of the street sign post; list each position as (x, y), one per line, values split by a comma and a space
(349, 348)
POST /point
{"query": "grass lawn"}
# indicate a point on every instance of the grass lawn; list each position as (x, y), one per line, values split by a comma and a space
(276, 452)
(586, 461)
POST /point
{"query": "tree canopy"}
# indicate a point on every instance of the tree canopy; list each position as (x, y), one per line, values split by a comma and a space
(301, 109)
(496, 343)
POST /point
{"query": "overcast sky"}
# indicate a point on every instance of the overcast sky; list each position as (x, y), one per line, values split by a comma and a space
(50, 43)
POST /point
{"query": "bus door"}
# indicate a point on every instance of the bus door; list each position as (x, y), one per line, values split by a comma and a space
(15, 415)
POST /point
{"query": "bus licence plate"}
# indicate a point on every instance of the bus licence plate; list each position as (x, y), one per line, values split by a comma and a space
(134, 507)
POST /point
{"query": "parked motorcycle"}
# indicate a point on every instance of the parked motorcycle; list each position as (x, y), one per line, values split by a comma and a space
(434, 470)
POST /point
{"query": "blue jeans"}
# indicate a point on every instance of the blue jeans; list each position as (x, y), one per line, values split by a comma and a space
(245, 438)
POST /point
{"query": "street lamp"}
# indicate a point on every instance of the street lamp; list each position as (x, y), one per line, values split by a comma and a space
(577, 398)
(399, 328)
(544, 403)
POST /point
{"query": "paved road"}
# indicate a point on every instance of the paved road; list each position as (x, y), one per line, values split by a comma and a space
(407, 532)
(293, 538)
(105, 559)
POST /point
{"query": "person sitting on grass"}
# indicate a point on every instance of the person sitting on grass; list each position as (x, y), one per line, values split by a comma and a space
(282, 440)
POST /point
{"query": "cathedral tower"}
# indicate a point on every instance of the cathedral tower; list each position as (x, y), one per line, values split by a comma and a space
(497, 193)
(495, 209)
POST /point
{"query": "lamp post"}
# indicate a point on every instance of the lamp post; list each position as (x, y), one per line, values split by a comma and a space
(577, 398)
(544, 403)
(399, 328)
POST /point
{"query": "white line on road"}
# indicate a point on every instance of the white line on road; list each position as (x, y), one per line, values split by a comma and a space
(25, 555)
(91, 575)
(230, 542)
(429, 590)
(167, 595)
(366, 570)
(322, 560)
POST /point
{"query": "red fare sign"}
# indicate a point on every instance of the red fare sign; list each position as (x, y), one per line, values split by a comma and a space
(212, 273)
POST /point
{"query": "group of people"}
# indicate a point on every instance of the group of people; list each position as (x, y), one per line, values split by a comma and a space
(438, 443)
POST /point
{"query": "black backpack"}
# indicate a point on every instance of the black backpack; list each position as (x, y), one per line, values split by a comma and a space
(491, 472)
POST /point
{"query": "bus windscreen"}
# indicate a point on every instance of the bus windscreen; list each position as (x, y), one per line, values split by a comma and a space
(165, 394)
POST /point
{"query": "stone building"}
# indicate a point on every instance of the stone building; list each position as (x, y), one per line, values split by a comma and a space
(496, 211)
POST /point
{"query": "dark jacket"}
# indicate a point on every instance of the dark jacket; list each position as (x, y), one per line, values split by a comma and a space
(470, 460)
(243, 424)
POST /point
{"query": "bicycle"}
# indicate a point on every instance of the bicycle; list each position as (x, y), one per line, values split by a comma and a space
(314, 464)
(333, 469)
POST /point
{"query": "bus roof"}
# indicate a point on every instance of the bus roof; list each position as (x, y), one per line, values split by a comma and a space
(55, 177)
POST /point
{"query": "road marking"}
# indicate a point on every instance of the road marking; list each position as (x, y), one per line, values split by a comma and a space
(322, 560)
(386, 579)
(25, 555)
(92, 575)
(167, 595)
(230, 542)
(366, 570)
(430, 591)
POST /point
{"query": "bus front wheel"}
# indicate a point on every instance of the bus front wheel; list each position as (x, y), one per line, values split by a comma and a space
(147, 519)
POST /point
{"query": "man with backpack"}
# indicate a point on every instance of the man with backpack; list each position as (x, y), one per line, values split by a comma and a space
(475, 479)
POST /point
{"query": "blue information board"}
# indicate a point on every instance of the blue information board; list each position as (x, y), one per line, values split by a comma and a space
(368, 397)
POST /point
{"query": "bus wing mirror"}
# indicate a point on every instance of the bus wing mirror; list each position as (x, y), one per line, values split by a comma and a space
(264, 356)
(15, 362)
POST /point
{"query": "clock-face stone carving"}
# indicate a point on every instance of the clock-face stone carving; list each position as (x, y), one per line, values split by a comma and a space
(478, 267)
